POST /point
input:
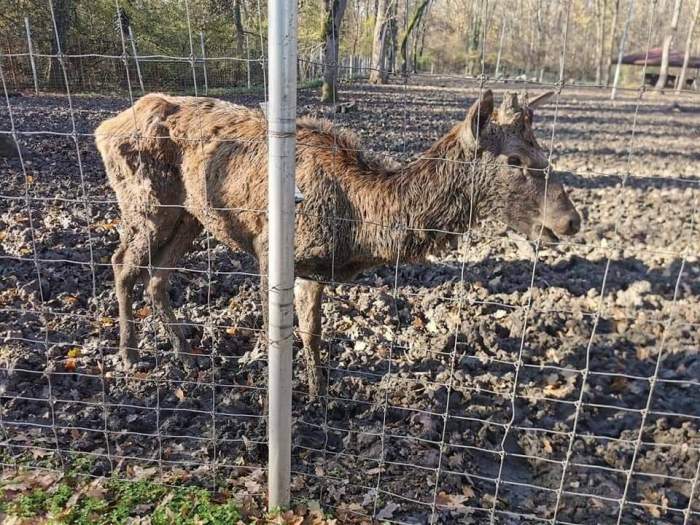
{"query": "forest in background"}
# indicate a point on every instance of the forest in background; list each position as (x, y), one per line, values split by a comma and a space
(383, 37)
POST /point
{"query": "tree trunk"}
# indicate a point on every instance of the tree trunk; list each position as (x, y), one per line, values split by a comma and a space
(611, 42)
(600, 6)
(421, 48)
(474, 39)
(500, 48)
(358, 29)
(240, 32)
(415, 20)
(688, 42)
(334, 11)
(668, 41)
(419, 40)
(61, 10)
(621, 48)
(539, 43)
(392, 41)
(378, 73)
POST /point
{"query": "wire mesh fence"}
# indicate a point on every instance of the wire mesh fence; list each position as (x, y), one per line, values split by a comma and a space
(100, 69)
(502, 381)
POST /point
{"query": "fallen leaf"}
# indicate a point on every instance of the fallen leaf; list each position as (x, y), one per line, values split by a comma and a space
(144, 473)
(467, 491)
(70, 299)
(558, 391)
(387, 512)
(453, 501)
(74, 352)
(95, 489)
(547, 446)
(619, 384)
(144, 312)
(38, 453)
(432, 327)
(107, 225)
(180, 394)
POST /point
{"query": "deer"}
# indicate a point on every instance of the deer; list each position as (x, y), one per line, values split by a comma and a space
(181, 165)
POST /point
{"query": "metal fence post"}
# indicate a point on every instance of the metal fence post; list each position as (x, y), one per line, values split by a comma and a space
(282, 53)
(31, 55)
(204, 63)
(136, 60)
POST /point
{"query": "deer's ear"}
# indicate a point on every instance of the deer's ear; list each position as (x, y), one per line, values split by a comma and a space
(541, 99)
(480, 113)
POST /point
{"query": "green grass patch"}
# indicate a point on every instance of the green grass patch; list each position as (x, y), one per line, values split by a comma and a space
(45, 496)
(75, 500)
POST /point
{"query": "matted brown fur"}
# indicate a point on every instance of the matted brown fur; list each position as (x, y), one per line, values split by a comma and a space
(180, 164)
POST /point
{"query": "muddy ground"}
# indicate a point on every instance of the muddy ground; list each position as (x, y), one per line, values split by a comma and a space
(484, 365)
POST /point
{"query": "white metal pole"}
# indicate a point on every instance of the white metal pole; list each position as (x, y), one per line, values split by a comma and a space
(204, 63)
(136, 60)
(31, 55)
(281, 136)
(621, 50)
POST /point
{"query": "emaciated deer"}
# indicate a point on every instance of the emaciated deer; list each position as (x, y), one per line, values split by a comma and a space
(180, 164)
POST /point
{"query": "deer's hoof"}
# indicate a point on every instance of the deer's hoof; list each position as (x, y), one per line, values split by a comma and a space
(317, 383)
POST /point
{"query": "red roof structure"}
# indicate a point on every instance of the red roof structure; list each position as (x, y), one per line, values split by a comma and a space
(675, 59)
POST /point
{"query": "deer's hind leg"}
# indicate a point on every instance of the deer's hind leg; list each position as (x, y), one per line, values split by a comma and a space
(164, 262)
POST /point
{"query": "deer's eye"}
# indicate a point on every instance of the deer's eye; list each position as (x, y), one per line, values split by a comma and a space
(514, 161)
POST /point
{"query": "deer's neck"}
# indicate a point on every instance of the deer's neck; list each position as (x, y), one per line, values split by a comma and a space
(436, 194)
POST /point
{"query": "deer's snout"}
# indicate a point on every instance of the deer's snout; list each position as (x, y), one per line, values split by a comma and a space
(568, 224)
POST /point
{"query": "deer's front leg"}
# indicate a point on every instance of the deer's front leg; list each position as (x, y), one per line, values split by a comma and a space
(307, 300)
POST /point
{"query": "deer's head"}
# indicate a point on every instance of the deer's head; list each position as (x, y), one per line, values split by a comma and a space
(507, 131)
(532, 202)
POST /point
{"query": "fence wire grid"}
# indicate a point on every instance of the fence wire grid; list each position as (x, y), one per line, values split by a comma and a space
(502, 381)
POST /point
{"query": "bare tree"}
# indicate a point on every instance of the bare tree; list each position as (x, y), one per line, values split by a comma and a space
(611, 41)
(334, 11)
(474, 38)
(497, 73)
(419, 39)
(621, 48)
(62, 15)
(415, 20)
(392, 37)
(668, 41)
(600, 8)
(238, 23)
(379, 73)
(688, 42)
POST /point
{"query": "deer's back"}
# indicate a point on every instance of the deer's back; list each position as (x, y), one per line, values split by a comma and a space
(210, 157)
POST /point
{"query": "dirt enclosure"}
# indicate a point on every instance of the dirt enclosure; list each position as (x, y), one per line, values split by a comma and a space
(557, 385)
